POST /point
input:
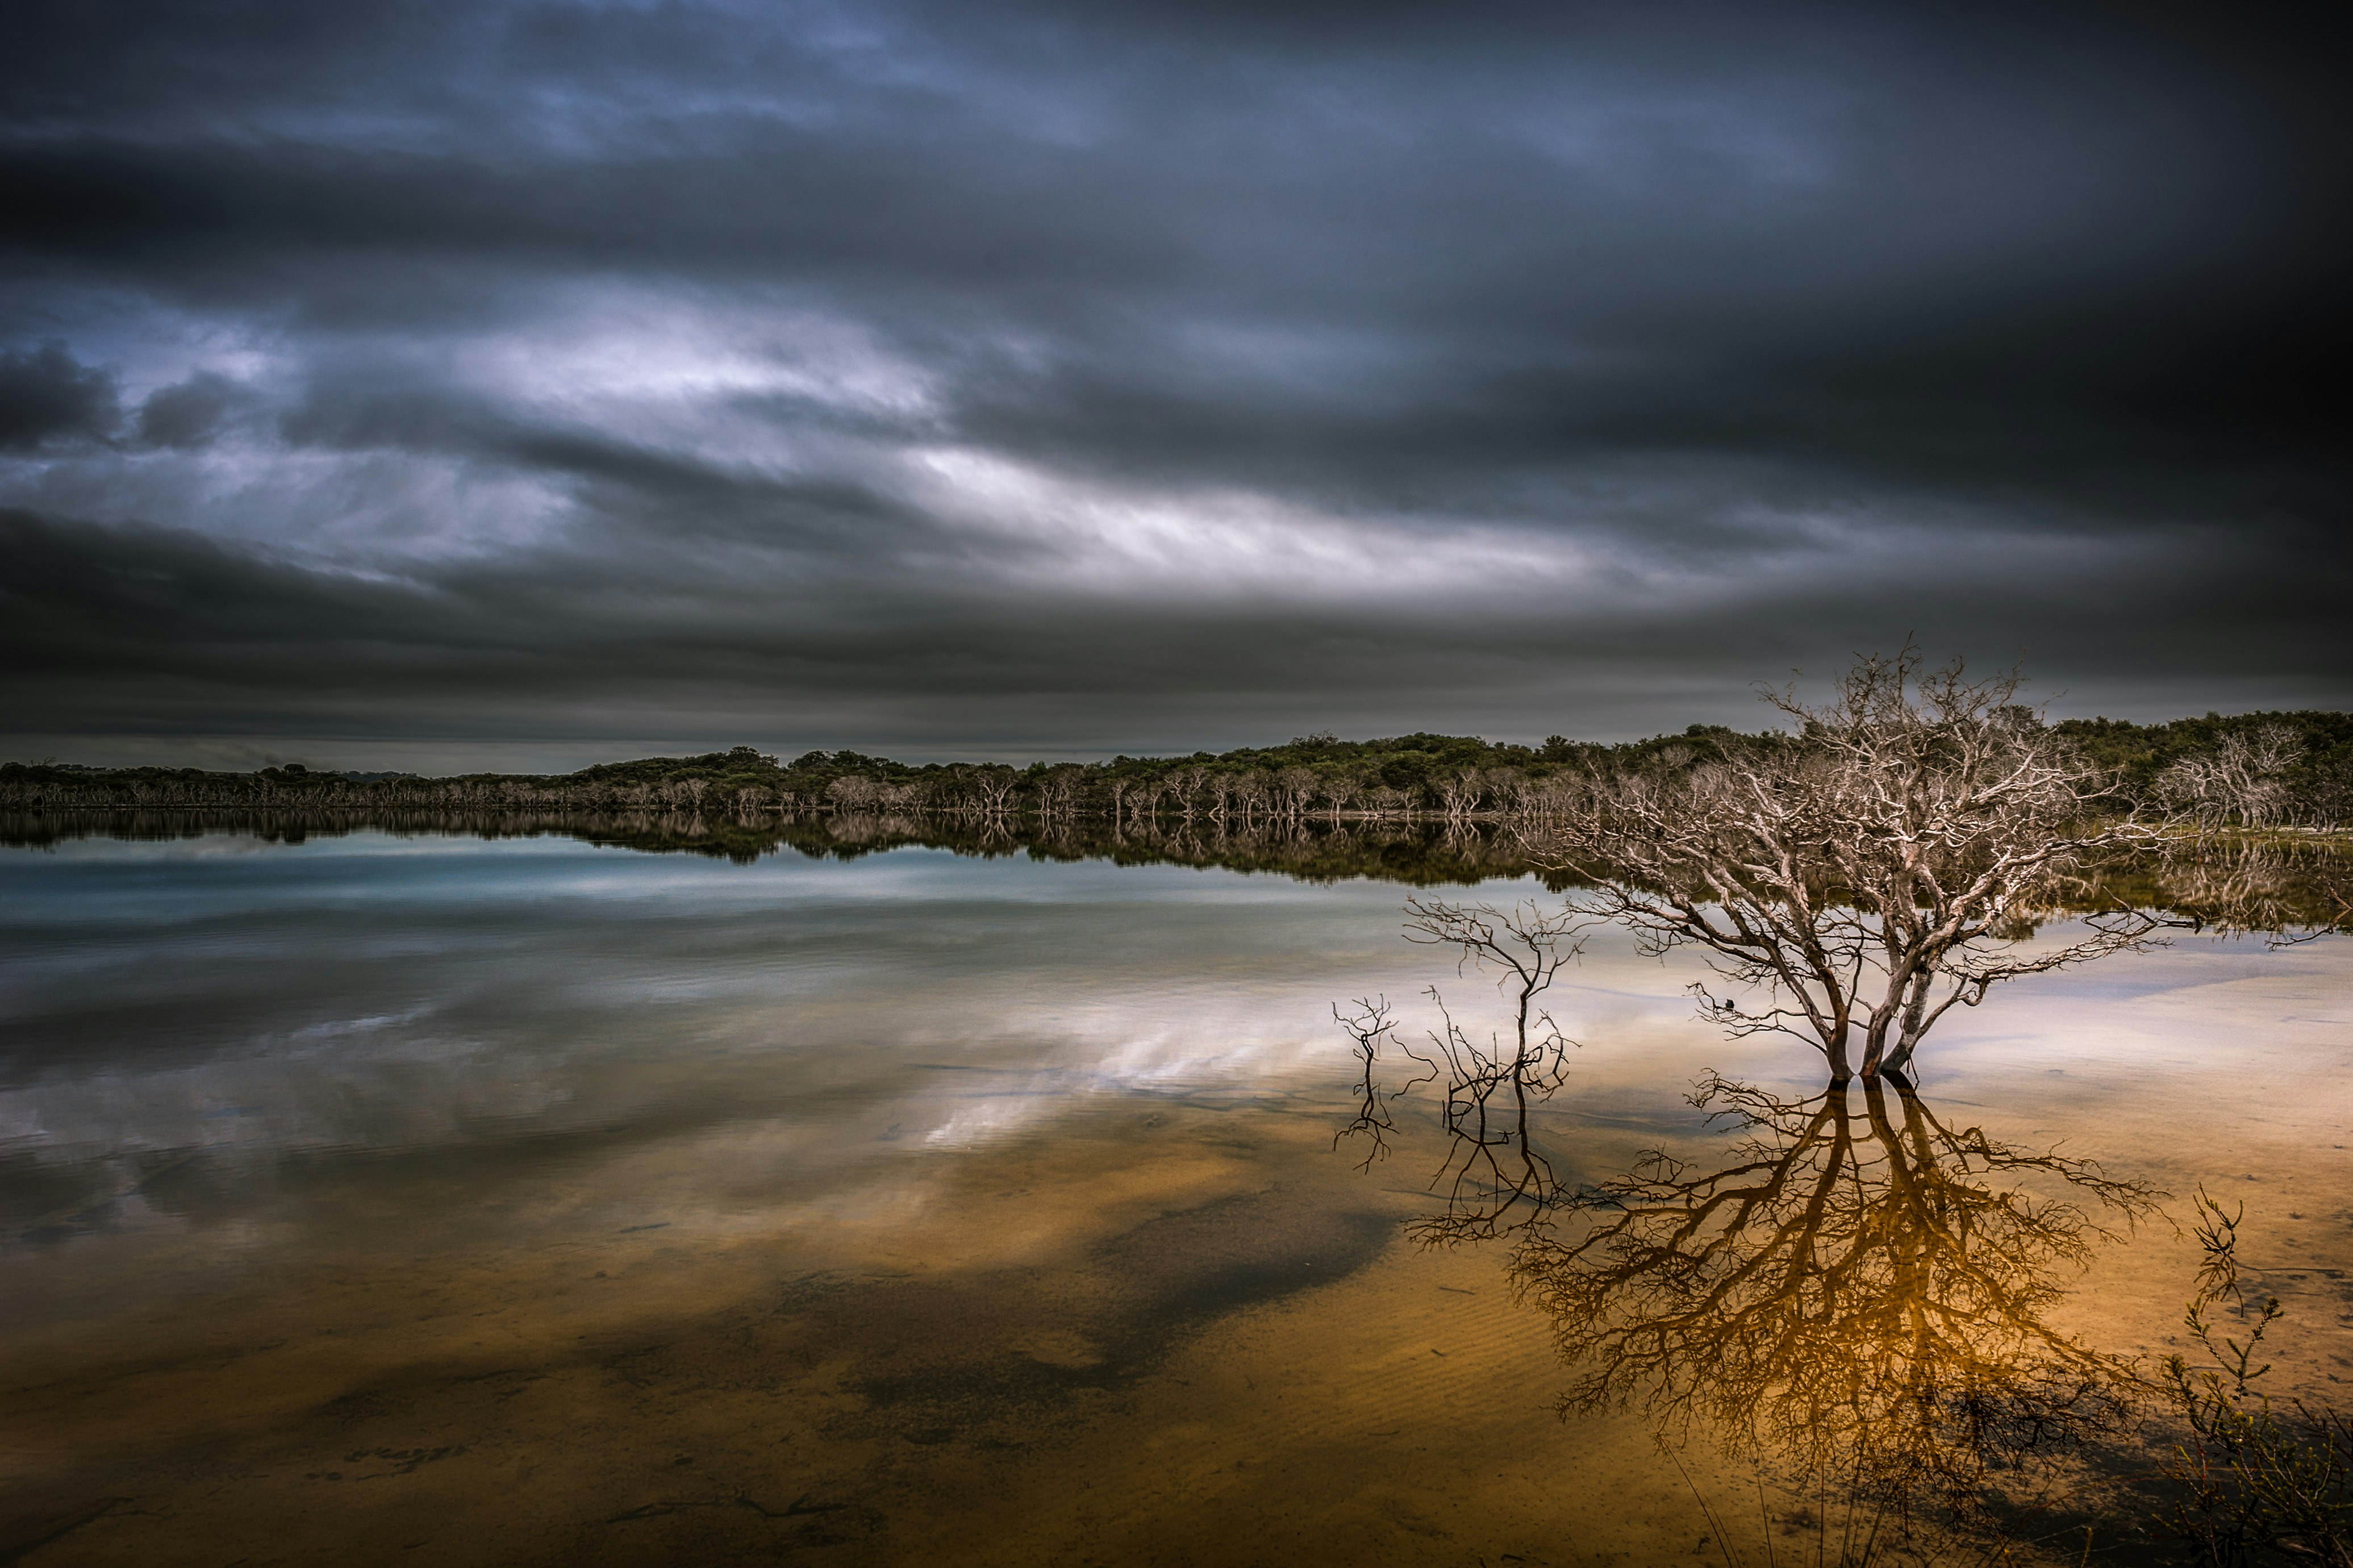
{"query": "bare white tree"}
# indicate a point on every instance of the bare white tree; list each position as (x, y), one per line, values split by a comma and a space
(1294, 787)
(853, 792)
(1887, 863)
(1189, 781)
(1253, 794)
(2243, 777)
(995, 784)
(1461, 793)
(1149, 794)
(1338, 793)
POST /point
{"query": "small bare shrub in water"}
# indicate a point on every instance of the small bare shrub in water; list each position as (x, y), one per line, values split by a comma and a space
(1494, 1176)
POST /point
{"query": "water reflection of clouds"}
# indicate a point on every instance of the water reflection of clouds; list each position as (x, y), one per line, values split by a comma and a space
(1168, 1062)
(351, 1084)
(372, 994)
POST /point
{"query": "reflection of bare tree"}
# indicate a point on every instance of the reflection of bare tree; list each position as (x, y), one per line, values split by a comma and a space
(1462, 836)
(1860, 1293)
(866, 828)
(1371, 1027)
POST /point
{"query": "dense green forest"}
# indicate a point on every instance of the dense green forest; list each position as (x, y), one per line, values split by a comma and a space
(2268, 769)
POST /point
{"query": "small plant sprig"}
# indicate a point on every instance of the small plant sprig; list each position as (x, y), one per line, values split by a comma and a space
(2259, 1481)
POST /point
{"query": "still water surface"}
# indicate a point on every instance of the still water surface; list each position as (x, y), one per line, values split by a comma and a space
(423, 1198)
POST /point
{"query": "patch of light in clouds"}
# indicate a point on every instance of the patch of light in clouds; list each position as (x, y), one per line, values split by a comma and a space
(1097, 536)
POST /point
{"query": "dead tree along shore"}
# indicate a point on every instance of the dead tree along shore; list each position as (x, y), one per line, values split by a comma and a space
(1860, 884)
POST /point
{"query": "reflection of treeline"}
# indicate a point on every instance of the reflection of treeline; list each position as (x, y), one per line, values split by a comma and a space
(1414, 853)
(2235, 883)
(2262, 769)
(299, 825)
(2249, 883)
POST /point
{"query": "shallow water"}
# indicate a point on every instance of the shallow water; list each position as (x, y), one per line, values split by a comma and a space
(448, 1199)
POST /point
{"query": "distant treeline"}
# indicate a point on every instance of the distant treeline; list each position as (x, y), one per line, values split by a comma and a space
(2257, 769)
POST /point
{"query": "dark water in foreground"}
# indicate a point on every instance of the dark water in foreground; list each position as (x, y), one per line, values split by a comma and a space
(379, 1198)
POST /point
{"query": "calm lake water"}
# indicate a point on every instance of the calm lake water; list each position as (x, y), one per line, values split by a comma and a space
(441, 1199)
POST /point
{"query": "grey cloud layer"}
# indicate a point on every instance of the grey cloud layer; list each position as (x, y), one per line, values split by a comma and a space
(935, 378)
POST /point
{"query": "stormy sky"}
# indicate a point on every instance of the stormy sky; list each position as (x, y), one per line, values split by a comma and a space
(529, 384)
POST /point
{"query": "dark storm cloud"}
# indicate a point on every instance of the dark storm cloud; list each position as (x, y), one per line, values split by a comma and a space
(44, 395)
(187, 414)
(1136, 377)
